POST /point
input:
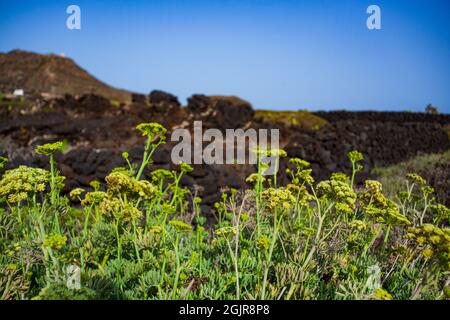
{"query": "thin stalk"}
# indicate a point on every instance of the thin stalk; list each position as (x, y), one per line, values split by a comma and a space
(269, 255)
(178, 270)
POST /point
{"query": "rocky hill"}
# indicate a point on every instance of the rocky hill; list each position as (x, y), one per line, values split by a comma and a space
(53, 74)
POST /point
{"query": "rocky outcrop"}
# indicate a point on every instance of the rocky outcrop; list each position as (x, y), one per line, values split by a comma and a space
(221, 113)
(161, 98)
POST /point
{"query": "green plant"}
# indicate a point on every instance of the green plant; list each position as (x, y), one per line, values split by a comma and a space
(148, 239)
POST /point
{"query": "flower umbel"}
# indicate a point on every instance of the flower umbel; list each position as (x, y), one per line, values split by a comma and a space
(180, 226)
(152, 130)
(17, 184)
(49, 149)
(55, 241)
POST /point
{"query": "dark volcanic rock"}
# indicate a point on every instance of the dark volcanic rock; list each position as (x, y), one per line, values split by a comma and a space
(138, 98)
(159, 97)
(199, 104)
(232, 116)
(163, 102)
(369, 116)
(220, 113)
(94, 103)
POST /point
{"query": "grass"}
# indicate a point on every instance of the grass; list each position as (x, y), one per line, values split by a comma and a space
(393, 177)
(301, 118)
(131, 238)
(115, 102)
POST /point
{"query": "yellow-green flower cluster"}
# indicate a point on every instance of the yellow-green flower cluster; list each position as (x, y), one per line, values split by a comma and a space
(433, 241)
(302, 173)
(415, 178)
(276, 153)
(121, 183)
(161, 175)
(152, 130)
(55, 241)
(355, 156)
(299, 163)
(144, 189)
(226, 231)
(263, 243)
(337, 191)
(180, 226)
(114, 207)
(95, 184)
(168, 208)
(76, 193)
(390, 215)
(359, 225)
(185, 167)
(344, 208)
(427, 191)
(17, 184)
(339, 176)
(261, 152)
(93, 198)
(49, 149)
(373, 195)
(440, 212)
(300, 193)
(156, 230)
(110, 205)
(378, 207)
(255, 179)
(127, 212)
(278, 198)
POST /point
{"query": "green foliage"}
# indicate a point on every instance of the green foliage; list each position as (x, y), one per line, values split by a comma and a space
(59, 291)
(393, 177)
(299, 118)
(142, 239)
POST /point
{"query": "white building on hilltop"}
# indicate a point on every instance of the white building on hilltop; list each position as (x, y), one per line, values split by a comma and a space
(18, 93)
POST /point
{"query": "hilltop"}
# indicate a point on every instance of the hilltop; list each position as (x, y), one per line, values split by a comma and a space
(53, 74)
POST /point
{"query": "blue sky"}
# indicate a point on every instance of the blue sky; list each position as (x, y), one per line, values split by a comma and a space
(281, 54)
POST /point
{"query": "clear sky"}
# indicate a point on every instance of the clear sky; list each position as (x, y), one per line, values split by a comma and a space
(277, 54)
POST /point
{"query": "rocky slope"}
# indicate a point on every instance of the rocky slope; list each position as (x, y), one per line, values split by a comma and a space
(53, 74)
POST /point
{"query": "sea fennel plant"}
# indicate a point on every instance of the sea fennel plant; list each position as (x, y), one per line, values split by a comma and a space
(132, 238)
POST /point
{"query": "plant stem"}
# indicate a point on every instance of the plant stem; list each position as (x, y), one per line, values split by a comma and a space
(269, 255)
(178, 270)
